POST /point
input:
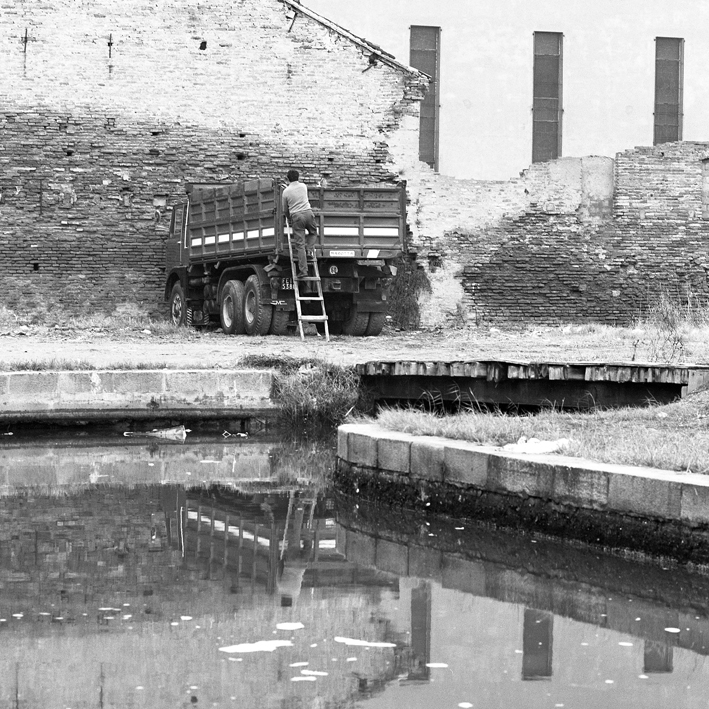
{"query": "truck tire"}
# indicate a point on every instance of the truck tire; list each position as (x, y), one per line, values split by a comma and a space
(231, 308)
(257, 313)
(178, 306)
(356, 324)
(279, 322)
(376, 324)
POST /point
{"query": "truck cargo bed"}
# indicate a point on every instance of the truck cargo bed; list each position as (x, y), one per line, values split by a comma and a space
(246, 219)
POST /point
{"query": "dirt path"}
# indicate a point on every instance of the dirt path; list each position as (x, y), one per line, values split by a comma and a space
(104, 348)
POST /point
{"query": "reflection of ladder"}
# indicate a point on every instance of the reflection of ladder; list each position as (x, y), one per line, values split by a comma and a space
(299, 299)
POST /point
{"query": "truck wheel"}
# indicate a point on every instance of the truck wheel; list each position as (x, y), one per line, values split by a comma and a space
(231, 308)
(279, 322)
(178, 307)
(257, 314)
(356, 324)
(376, 324)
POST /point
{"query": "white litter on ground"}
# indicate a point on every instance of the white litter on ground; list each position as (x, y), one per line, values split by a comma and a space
(290, 626)
(536, 446)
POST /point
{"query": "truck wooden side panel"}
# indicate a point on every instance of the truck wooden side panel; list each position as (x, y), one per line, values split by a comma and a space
(236, 221)
(245, 220)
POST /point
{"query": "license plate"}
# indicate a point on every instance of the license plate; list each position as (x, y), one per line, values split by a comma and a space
(342, 254)
(286, 284)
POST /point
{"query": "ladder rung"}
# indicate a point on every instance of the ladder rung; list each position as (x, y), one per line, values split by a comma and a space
(308, 297)
(308, 278)
(314, 318)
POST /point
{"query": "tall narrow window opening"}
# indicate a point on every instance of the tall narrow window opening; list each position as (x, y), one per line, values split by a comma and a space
(669, 80)
(547, 107)
(425, 55)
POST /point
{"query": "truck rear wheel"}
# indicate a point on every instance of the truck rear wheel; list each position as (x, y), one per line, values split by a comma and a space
(376, 324)
(356, 324)
(257, 314)
(231, 308)
(178, 307)
(279, 322)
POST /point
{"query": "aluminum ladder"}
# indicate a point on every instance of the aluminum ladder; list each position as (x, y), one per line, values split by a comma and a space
(299, 299)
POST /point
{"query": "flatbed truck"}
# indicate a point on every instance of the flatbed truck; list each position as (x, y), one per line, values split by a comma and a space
(228, 261)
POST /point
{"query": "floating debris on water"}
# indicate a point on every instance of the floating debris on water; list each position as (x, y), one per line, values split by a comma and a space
(258, 646)
(362, 643)
(177, 433)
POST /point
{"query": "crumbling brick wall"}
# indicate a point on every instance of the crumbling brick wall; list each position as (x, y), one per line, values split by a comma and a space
(108, 109)
(574, 240)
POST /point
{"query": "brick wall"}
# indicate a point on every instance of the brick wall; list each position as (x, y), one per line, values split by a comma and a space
(97, 140)
(574, 240)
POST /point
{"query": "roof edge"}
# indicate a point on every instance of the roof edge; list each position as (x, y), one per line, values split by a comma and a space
(383, 56)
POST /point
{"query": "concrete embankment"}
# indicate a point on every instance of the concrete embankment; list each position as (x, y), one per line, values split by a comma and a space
(96, 395)
(638, 509)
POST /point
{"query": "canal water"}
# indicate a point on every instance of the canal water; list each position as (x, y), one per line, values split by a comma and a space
(222, 572)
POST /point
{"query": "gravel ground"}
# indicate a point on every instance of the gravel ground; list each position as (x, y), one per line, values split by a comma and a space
(104, 347)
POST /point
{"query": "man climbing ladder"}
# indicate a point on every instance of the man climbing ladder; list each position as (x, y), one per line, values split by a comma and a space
(302, 234)
(299, 213)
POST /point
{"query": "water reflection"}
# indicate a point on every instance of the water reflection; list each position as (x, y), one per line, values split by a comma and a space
(267, 591)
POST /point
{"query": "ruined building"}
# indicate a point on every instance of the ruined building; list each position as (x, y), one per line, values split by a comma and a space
(109, 109)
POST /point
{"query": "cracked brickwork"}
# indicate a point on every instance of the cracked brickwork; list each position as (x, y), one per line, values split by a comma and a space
(574, 240)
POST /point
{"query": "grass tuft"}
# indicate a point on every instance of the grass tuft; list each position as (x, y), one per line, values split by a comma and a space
(410, 281)
(314, 396)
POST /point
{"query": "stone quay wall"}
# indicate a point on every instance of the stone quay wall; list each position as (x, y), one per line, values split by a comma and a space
(642, 510)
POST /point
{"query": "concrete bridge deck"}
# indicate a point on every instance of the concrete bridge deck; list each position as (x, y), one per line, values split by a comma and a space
(576, 385)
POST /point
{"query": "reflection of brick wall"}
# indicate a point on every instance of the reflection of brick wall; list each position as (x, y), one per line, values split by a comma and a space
(72, 550)
(97, 148)
(569, 241)
(70, 556)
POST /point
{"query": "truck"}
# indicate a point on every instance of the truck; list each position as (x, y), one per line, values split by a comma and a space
(228, 257)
